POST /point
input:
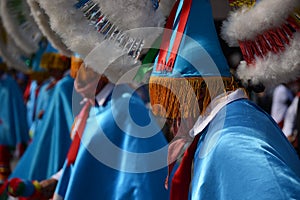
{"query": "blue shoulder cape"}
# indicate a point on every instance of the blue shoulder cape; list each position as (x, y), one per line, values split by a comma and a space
(122, 155)
(41, 102)
(13, 119)
(30, 103)
(242, 154)
(47, 152)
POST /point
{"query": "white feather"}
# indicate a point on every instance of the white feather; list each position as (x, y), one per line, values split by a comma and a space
(82, 38)
(132, 14)
(22, 39)
(113, 62)
(166, 6)
(246, 24)
(274, 68)
(71, 25)
(42, 20)
(10, 55)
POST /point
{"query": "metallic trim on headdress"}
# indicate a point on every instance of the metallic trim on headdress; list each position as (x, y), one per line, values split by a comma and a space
(102, 24)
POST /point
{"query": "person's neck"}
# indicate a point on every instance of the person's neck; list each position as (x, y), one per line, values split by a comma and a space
(100, 87)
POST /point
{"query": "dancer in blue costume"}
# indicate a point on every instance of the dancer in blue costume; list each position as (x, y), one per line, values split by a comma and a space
(38, 77)
(237, 150)
(118, 151)
(109, 163)
(13, 122)
(51, 140)
(46, 90)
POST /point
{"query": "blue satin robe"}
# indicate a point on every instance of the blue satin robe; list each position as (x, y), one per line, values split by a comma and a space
(47, 152)
(242, 154)
(42, 103)
(13, 119)
(109, 164)
(30, 103)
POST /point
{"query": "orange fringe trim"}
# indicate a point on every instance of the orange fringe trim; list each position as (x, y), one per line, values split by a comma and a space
(55, 61)
(38, 76)
(75, 65)
(235, 4)
(186, 97)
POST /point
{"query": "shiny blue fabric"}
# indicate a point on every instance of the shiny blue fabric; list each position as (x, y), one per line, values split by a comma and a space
(47, 152)
(30, 103)
(42, 102)
(50, 49)
(35, 63)
(246, 157)
(108, 172)
(35, 66)
(199, 52)
(13, 119)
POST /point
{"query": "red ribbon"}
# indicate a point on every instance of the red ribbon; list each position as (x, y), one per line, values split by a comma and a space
(164, 64)
(27, 91)
(81, 120)
(181, 180)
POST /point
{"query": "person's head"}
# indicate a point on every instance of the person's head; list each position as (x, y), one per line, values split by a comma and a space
(88, 82)
(54, 62)
(183, 83)
(185, 80)
(38, 76)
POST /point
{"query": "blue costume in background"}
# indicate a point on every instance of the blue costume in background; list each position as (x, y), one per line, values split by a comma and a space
(47, 152)
(13, 125)
(242, 154)
(31, 102)
(35, 86)
(41, 107)
(13, 122)
(112, 160)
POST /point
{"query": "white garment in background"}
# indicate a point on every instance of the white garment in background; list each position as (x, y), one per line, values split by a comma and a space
(290, 118)
(281, 96)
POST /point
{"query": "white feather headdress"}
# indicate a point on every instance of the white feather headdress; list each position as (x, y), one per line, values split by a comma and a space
(103, 27)
(268, 33)
(10, 53)
(43, 22)
(20, 25)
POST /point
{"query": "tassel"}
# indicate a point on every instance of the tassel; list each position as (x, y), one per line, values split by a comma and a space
(271, 41)
(166, 94)
(55, 61)
(24, 189)
(75, 65)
